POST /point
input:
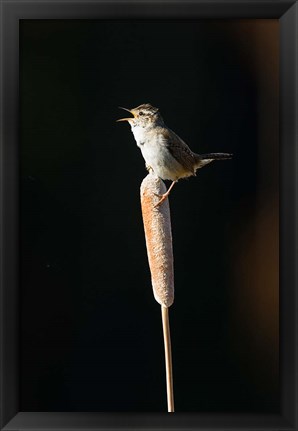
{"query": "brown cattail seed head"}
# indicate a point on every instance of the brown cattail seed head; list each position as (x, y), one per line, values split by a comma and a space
(158, 234)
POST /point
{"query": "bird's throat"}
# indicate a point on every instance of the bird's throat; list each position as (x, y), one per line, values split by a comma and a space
(140, 134)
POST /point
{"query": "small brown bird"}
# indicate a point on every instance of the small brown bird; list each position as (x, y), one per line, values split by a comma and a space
(164, 152)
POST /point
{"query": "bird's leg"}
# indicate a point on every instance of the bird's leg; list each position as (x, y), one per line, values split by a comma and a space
(165, 195)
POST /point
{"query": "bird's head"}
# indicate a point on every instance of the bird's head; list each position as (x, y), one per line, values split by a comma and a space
(143, 116)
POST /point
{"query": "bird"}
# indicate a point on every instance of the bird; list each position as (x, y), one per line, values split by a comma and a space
(165, 153)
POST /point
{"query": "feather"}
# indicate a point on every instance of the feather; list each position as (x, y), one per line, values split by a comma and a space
(179, 150)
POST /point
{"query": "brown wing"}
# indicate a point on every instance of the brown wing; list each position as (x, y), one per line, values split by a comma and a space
(178, 149)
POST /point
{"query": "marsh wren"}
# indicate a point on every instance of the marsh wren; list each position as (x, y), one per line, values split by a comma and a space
(164, 152)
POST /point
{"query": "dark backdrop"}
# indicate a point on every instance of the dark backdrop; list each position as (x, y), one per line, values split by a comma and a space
(91, 337)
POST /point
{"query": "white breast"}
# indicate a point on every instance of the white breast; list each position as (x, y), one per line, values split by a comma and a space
(156, 154)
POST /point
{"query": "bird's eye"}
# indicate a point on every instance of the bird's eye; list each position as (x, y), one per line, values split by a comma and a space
(141, 113)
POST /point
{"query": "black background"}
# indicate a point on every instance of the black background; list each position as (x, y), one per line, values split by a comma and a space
(91, 330)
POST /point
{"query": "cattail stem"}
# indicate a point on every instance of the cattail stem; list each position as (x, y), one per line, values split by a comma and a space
(168, 357)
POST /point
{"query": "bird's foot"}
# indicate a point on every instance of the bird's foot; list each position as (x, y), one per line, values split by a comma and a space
(163, 198)
(165, 195)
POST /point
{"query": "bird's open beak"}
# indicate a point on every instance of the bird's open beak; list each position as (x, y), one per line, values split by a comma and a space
(127, 119)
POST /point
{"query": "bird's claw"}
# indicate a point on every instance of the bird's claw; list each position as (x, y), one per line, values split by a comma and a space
(163, 198)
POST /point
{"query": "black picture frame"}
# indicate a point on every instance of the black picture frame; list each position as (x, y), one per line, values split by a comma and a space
(11, 13)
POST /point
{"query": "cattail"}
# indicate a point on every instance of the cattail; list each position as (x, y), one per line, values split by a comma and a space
(158, 234)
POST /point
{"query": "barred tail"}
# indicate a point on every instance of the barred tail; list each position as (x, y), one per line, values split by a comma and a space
(215, 156)
(204, 159)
